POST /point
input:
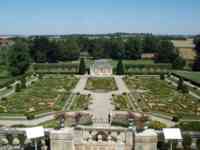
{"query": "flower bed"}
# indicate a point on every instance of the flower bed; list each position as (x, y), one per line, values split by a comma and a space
(155, 95)
(45, 95)
(101, 84)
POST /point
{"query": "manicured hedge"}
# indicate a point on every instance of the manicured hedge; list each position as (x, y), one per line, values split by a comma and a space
(187, 76)
(143, 69)
(56, 68)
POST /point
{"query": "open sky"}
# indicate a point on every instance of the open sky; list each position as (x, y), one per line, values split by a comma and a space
(99, 16)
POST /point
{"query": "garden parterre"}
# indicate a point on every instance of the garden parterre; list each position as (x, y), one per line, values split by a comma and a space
(101, 84)
(45, 95)
(155, 95)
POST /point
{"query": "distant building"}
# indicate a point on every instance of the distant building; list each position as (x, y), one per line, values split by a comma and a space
(148, 55)
(185, 49)
(5, 42)
(101, 68)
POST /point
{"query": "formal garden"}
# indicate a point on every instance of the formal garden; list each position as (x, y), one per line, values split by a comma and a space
(81, 102)
(158, 96)
(47, 94)
(121, 102)
(104, 84)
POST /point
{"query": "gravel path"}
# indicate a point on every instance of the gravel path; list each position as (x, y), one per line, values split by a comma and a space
(27, 122)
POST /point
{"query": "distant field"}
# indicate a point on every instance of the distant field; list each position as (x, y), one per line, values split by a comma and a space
(193, 76)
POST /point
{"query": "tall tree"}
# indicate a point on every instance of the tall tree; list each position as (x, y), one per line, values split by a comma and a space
(150, 44)
(82, 66)
(187, 141)
(167, 52)
(3, 55)
(118, 48)
(39, 48)
(18, 58)
(133, 48)
(196, 65)
(120, 68)
(68, 50)
(179, 63)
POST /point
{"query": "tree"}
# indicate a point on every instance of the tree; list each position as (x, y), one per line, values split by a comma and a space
(68, 50)
(162, 76)
(198, 144)
(150, 44)
(3, 55)
(179, 63)
(187, 141)
(133, 48)
(52, 52)
(117, 48)
(18, 58)
(39, 48)
(120, 68)
(196, 65)
(166, 52)
(181, 86)
(82, 67)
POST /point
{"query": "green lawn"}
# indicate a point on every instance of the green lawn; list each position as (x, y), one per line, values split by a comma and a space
(193, 76)
(159, 96)
(48, 94)
(101, 84)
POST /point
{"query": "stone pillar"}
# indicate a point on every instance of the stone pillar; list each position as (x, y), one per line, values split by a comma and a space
(62, 139)
(146, 140)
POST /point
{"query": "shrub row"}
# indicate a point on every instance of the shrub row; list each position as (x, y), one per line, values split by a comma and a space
(142, 66)
(55, 66)
(186, 79)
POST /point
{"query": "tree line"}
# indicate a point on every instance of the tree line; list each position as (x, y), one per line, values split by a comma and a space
(42, 49)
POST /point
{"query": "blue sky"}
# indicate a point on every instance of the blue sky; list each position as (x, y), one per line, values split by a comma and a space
(99, 16)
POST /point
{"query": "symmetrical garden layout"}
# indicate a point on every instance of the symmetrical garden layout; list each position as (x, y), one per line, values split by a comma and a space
(44, 95)
(154, 95)
(104, 84)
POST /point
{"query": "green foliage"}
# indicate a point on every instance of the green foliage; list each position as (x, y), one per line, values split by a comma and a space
(181, 86)
(18, 87)
(68, 50)
(157, 125)
(120, 68)
(189, 126)
(18, 58)
(105, 84)
(82, 67)
(3, 55)
(23, 82)
(179, 63)
(196, 65)
(45, 95)
(166, 52)
(30, 116)
(121, 102)
(187, 141)
(198, 144)
(133, 48)
(150, 44)
(162, 76)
